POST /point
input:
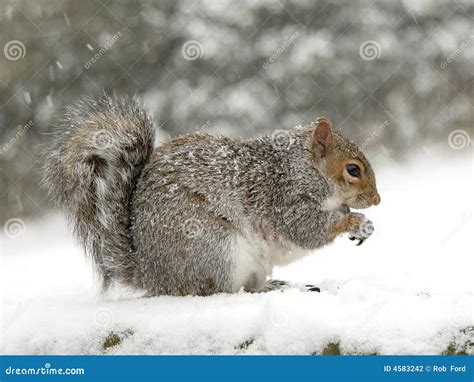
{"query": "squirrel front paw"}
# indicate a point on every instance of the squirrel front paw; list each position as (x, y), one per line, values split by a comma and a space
(361, 227)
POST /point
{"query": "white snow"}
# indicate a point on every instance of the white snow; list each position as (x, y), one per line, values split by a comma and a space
(406, 290)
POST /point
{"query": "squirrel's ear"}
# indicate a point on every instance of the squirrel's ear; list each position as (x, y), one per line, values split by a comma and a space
(322, 137)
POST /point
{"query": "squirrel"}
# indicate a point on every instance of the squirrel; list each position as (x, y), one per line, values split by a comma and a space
(202, 214)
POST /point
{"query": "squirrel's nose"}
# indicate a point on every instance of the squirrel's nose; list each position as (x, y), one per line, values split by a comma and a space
(376, 199)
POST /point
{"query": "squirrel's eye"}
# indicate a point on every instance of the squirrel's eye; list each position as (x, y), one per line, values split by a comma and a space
(353, 170)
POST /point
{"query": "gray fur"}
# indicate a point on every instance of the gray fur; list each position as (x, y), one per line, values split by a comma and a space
(170, 221)
(91, 170)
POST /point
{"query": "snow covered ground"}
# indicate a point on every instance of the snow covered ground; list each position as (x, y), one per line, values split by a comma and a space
(407, 290)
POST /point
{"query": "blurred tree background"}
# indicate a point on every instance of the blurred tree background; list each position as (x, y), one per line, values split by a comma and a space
(396, 77)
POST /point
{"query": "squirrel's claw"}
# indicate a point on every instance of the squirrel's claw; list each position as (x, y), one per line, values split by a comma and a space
(361, 240)
(362, 230)
(312, 288)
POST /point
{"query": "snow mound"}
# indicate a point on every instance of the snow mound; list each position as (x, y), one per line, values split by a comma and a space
(406, 290)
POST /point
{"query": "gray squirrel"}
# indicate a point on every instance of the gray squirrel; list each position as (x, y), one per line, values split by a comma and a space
(202, 214)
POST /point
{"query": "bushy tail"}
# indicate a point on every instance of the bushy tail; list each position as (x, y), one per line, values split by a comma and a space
(91, 170)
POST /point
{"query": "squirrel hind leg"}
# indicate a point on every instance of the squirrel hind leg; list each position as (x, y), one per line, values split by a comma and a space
(272, 285)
